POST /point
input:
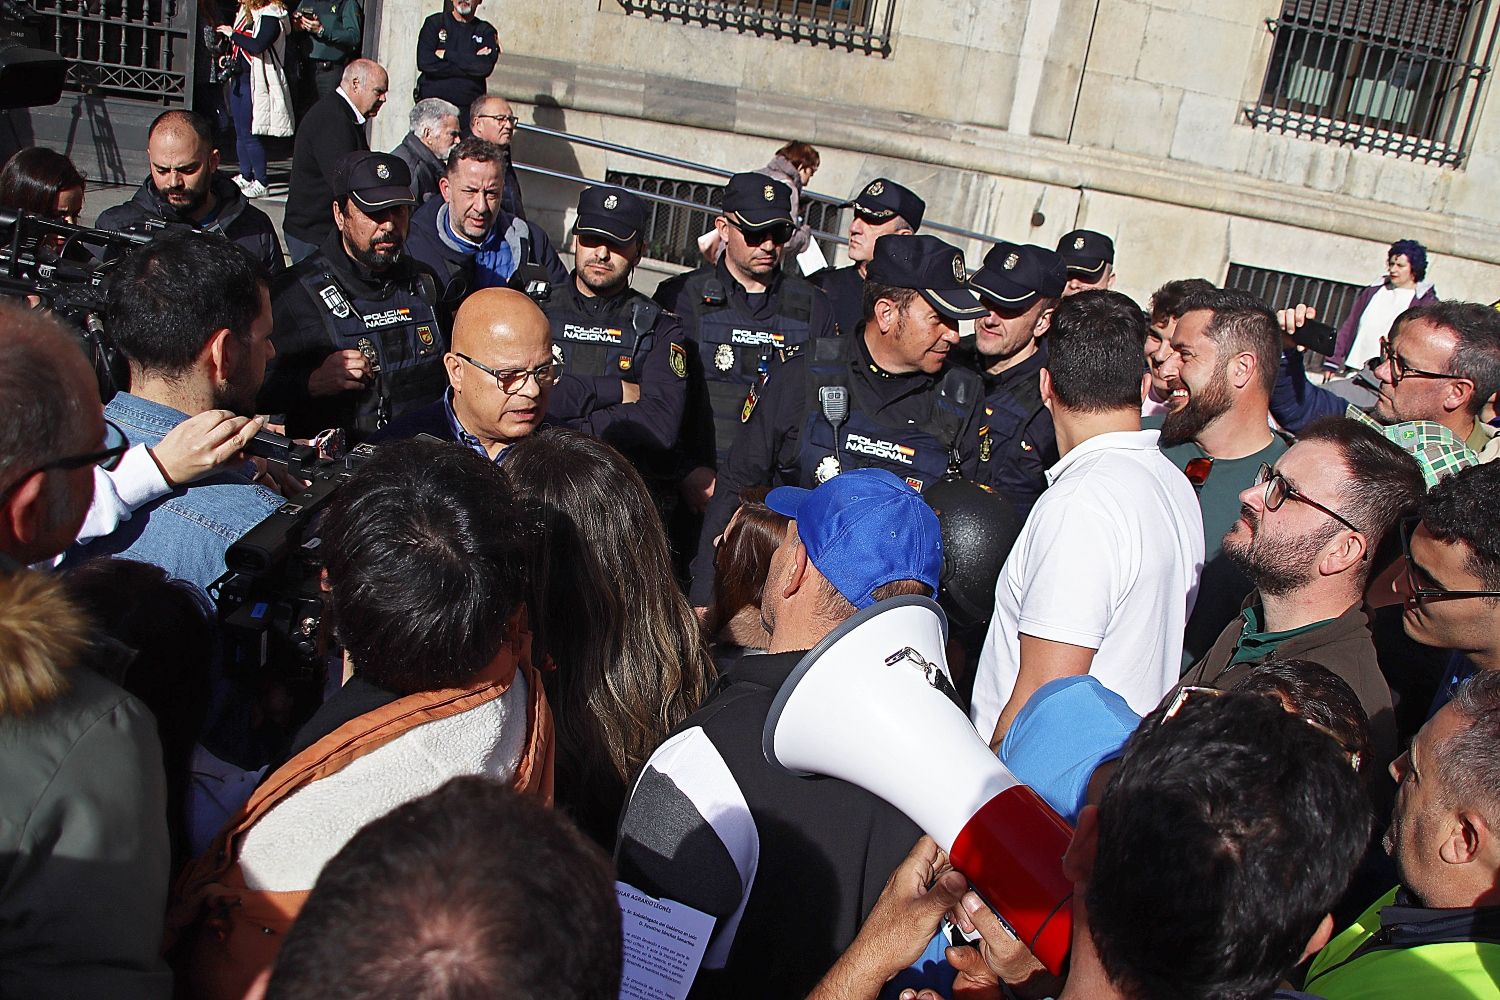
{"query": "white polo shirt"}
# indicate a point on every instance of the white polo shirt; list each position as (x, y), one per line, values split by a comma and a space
(1109, 559)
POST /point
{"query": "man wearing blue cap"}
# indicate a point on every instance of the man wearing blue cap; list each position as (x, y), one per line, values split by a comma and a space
(788, 866)
(1019, 286)
(882, 208)
(739, 314)
(884, 398)
(626, 375)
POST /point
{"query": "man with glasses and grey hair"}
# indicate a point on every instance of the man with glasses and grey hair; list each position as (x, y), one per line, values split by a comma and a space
(434, 133)
(1306, 537)
(501, 371)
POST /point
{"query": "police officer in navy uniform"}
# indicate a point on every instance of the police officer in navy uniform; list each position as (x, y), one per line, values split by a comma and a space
(882, 208)
(625, 374)
(885, 397)
(740, 316)
(1019, 287)
(357, 332)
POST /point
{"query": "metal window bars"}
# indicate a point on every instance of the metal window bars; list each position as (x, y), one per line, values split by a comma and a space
(1282, 290)
(857, 25)
(1402, 77)
(135, 49)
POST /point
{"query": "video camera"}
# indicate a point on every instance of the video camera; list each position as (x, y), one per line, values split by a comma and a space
(67, 268)
(270, 601)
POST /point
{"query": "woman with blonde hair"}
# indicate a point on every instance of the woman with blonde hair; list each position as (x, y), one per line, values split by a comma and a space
(259, 99)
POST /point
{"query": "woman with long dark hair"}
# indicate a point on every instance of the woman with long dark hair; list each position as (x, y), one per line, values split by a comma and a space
(742, 558)
(605, 607)
(43, 182)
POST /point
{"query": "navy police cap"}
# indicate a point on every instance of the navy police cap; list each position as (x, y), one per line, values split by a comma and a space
(757, 201)
(374, 180)
(1085, 252)
(613, 213)
(932, 267)
(1016, 275)
(883, 198)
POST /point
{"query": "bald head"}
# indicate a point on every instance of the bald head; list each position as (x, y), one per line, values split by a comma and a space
(49, 409)
(365, 83)
(499, 330)
(492, 119)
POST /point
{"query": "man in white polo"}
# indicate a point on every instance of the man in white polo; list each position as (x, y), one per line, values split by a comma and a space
(1104, 574)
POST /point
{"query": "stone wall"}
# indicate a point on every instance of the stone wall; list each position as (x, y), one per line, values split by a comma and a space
(1119, 115)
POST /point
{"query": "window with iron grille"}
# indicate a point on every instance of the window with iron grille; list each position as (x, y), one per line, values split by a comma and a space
(1394, 76)
(672, 231)
(857, 25)
(1282, 290)
(134, 49)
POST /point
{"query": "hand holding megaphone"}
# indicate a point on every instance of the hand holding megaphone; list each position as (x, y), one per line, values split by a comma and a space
(868, 705)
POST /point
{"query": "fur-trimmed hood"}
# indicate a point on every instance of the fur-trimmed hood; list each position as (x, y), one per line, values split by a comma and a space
(43, 635)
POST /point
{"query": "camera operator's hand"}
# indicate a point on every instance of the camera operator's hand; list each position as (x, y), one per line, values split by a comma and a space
(1291, 321)
(340, 372)
(201, 444)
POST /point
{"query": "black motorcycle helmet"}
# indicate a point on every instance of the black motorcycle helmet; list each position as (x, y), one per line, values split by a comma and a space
(979, 527)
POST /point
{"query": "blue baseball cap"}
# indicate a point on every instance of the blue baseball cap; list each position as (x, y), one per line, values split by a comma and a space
(863, 529)
(1066, 729)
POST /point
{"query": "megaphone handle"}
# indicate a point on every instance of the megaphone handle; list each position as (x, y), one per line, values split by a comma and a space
(1011, 850)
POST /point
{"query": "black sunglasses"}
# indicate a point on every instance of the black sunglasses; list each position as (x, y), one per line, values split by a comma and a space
(778, 233)
(108, 457)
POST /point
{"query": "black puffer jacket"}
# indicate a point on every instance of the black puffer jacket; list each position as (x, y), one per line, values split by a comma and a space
(236, 218)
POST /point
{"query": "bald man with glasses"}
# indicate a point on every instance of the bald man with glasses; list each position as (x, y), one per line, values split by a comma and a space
(501, 371)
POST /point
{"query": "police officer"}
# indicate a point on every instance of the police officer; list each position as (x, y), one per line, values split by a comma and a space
(885, 397)
(882, 208)
(1090, 260)
(1019, 287)
(625, 374)
(739, 316)
(357, 335)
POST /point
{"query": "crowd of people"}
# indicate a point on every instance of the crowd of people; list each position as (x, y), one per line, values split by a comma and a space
(1237, 624)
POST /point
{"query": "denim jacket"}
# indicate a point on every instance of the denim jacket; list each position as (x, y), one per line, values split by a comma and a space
(186, 532)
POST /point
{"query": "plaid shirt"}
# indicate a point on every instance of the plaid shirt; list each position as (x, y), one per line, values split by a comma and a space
(1437, 449)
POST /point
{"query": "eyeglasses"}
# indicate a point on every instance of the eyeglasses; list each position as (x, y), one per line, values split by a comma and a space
(1184, 693)
(505, 119)
(108, 457)
(1279, 491)
(1399, 368)
(511, 382)
(1414, 573)
(778, 233)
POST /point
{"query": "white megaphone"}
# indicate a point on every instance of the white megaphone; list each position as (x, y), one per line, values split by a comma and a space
(869, 705)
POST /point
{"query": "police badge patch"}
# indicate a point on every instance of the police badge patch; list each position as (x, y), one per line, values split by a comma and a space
(959, 271)
(611, 202)
(625, 362)
(425, 339)
(678, 360)
(724, 358)
(1078, 243)
(826, 470)
(985, 446)
(382, 171)
(442, 34)
(770, 193)
(1011, 262)
(557, 352)
(875, 190)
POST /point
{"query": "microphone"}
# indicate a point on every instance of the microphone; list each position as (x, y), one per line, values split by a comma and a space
(833, 400)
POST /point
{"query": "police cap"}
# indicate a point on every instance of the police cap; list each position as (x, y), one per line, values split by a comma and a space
(932, 267)
(757, 201)
(1085, 252)
(883, 198)
(1016, 275)
(374, 180)
(612, 213)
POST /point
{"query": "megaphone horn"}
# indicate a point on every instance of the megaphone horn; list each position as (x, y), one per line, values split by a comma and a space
(872, 704)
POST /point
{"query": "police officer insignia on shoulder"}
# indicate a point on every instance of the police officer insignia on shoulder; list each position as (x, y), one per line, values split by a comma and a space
(625, 362)
(678, 360)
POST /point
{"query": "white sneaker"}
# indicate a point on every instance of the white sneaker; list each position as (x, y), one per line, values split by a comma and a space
(255, 189)
(241, 181)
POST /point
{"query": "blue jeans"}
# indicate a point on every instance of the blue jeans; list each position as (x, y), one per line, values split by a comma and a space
(251, 154)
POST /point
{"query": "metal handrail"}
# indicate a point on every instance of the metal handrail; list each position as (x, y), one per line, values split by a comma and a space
(704, 168)
(653, 196)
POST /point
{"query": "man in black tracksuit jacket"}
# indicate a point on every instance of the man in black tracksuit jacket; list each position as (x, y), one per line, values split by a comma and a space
(456, 53)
